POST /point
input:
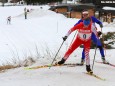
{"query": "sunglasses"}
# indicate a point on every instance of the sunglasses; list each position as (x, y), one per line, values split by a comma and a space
(85, 14)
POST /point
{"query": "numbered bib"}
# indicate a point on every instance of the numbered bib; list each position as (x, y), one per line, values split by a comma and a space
(84, 36)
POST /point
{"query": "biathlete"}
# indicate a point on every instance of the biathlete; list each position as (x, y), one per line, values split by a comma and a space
(83, 37)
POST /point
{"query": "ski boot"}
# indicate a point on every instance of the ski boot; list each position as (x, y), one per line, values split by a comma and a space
(104, 61)
(88, 69)
(61, 62)
(82, 61)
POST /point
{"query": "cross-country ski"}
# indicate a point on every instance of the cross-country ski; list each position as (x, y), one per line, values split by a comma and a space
(113, 65)
(96, 76)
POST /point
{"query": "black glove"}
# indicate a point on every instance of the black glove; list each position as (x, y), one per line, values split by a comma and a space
(99, 33)
(101, 25)
(64, 38)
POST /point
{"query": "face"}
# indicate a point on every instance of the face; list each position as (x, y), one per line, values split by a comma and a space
(85, 16)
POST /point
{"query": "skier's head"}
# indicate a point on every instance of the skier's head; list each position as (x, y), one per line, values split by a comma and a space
(85, 14)
(86, 22)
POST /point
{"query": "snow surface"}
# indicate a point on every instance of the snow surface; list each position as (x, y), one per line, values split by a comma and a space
(45, 29)
(108, 8)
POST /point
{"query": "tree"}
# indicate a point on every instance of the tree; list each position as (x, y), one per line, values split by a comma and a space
(3, 1)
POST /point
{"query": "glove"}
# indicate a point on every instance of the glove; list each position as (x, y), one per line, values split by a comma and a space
(101, 25)
(64, 38)
(99, 33)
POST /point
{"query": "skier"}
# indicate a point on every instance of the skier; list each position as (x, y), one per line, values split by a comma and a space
(25, 13)
(95, 35)
(83, 37)
(9, 20)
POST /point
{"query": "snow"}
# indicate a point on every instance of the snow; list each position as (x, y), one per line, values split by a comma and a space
(108, 8)
(45, 29)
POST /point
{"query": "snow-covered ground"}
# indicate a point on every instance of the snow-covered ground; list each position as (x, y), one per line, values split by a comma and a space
(45, 29)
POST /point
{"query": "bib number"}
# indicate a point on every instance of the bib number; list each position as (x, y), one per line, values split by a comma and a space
(84, 36)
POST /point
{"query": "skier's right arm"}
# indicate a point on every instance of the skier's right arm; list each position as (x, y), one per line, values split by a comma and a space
(79, 22)
(71, 30)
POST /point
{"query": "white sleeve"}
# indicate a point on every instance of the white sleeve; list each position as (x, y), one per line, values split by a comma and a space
(93, 27)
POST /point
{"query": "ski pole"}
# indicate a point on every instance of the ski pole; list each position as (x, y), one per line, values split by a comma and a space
(56, 54)
(96, 50)
(73, 38)
(94, 57)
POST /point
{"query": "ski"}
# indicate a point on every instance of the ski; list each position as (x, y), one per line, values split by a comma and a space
(54, 65)
(42, 66)
(96, 76)
(106, 63)
(77, 64)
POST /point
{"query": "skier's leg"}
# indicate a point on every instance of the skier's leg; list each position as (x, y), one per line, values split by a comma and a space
(99, 45)
(75, 45)
(83, 57)
(87, 49)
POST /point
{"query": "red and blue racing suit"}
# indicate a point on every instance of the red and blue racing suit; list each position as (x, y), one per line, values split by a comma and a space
(83, 37)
